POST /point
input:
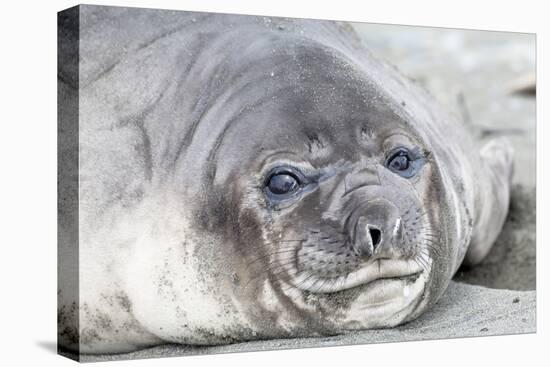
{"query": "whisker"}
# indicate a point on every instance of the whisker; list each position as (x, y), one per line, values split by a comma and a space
(298, 285)
(271, 254)
(433, 249)
(432, 244)
(271, 269)
(236, 250)
(421, 264)
(322, 285)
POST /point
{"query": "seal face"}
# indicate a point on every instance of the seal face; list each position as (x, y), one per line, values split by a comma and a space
(339, 208)
(272, 180)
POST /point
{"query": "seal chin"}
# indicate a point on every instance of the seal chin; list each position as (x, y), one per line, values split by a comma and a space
(386, 302)
(382, 293)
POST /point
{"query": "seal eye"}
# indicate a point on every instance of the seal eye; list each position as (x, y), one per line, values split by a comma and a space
(402, 163)
(399, 161)
(282, 184)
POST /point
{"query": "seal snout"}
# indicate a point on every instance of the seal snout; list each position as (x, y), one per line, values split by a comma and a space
(377, 230)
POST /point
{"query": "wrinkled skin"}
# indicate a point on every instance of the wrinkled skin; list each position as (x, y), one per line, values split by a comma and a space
(184, 117)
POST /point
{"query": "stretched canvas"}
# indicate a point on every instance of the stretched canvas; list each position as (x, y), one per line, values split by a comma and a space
(233, 183)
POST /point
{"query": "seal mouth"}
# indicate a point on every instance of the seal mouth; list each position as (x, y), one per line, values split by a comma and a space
(371, 274)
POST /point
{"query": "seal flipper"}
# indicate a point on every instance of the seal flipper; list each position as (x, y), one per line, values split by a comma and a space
(496, 159)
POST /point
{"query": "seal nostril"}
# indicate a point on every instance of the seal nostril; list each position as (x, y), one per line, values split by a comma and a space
(375, 235)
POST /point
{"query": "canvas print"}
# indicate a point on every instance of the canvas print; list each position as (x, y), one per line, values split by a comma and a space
(239, 183)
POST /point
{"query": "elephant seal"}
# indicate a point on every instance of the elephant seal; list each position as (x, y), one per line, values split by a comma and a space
(247, 178)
